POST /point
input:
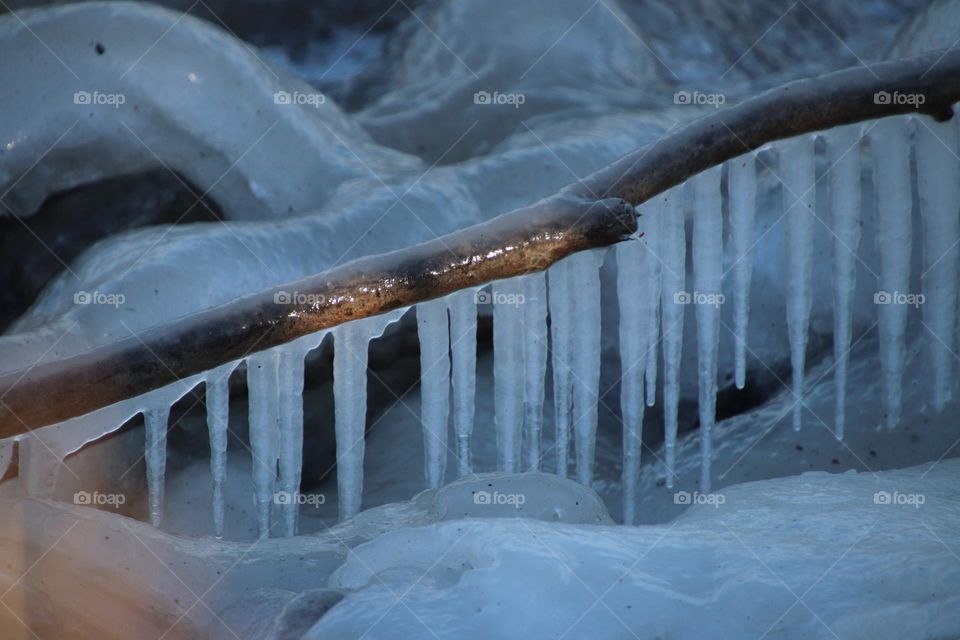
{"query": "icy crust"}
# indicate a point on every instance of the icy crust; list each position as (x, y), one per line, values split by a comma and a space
(166, 89)
(815, 556)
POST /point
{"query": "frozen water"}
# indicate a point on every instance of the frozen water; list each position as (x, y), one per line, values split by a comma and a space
(742, 190)
(433, 327)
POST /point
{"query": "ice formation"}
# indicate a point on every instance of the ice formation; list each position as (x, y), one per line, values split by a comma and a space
(434, 331)
(742, 190)
(674, 251)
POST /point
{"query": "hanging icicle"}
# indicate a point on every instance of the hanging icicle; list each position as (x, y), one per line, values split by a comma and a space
(674, 252)
(635, 295)
(290, 454)
(651, 223)
(585, 291)
(707, 274)
(262, 371)
(434, 331)
(742, 193)
(218, 426)
(843, 150)
(534, 362)
(561, 347)
(508, 371)
(939, 177)
(155, 420)
(890, 144)
(350, 413)
(799, 198)
(463, 345)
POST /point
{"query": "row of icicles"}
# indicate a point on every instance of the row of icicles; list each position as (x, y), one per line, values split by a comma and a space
(651, 273)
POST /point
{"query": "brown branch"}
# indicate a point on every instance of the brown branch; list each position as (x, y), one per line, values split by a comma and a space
(519, 242)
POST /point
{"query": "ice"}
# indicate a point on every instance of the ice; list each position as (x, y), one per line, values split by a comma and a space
(561, 347)
(155, 420)
(707, 276)
(742, 193)
(290, 435)
(799, 198)
(508, 371)
(939, 186)
(585, 292)
(350, 407)
(651, 223)
(674, 252)
(218, 426)
(434, 330)
(463, 346)
(890, 144)
(262, 372)
(843, 151)
(635, 292)
(534, 363)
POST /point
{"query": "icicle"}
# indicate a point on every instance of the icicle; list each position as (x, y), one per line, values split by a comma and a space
(939, 177)
(262, 369)
(434, 331)
(463, 344)
(290, 435)
(508, 371)
(674, 253)
(634, 289)
(350, 413)
(155, 420)
(652, 223)
(891, 157)
(534, 362)
(585, 292)
(39, 466)
(707, 273)
(561, 341)
(799, 198)
(742, 191)
(218, 415)
(843, 148)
